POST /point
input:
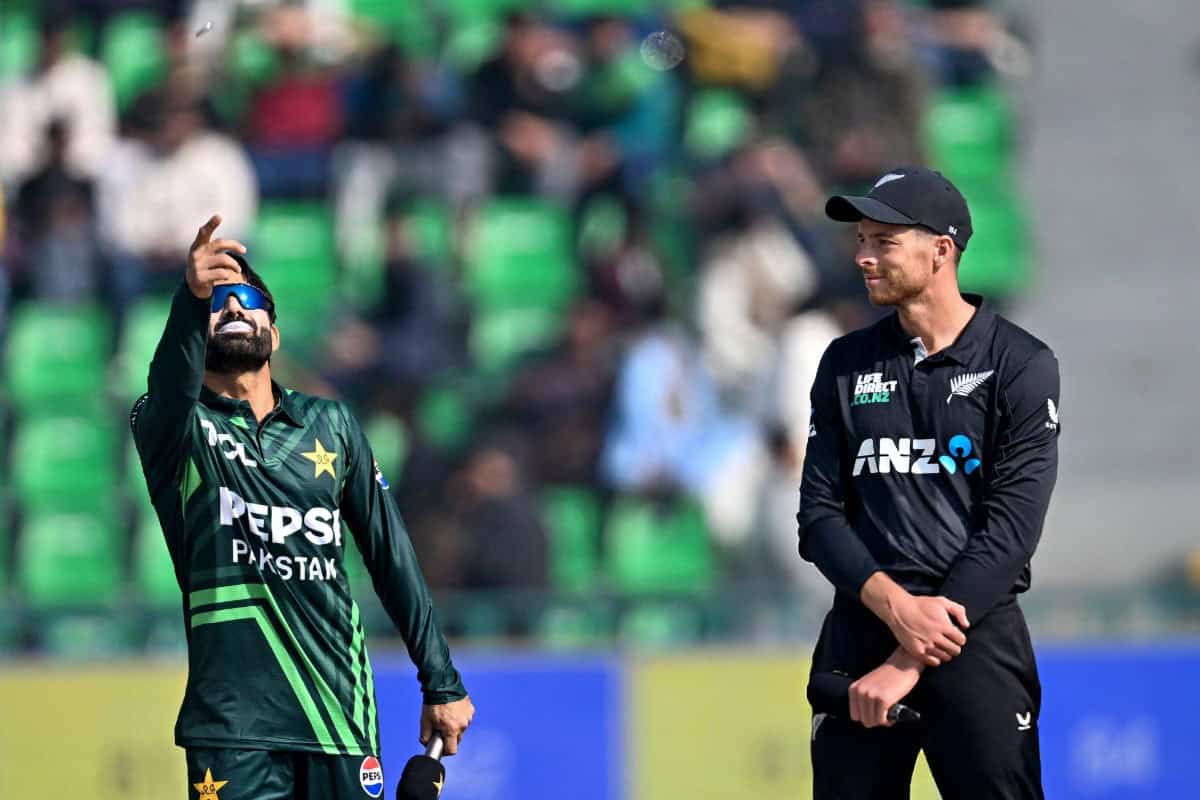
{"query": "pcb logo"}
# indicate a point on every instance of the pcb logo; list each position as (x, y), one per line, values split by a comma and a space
(370, 776)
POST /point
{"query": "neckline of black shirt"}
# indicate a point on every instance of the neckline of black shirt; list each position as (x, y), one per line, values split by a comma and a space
(977, 331)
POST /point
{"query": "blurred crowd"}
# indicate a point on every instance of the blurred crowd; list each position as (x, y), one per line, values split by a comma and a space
(577, 247)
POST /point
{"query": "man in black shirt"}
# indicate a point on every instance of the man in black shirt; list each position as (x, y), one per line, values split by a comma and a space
(932, 454)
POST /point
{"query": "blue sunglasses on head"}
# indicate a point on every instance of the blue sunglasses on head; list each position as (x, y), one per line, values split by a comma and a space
(249, 297)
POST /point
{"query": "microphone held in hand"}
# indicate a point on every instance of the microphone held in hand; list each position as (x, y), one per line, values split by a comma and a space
(829, 693)
(423, 776)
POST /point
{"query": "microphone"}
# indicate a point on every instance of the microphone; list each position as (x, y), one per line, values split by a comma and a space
(829, 693)
(423, 775)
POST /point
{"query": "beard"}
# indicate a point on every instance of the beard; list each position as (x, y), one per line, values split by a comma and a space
(235, 353)
(894, 291)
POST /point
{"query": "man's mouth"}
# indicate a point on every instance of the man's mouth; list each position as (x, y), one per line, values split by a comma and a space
(235, 326)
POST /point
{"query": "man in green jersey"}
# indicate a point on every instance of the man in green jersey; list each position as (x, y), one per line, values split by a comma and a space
(251, 483)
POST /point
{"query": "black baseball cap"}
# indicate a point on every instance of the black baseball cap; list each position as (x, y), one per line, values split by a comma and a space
(909, 196)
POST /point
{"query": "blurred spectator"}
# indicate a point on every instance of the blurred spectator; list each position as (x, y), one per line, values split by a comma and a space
(669, 428)
(756, 266)
(56, 220)
(561, 398)
(628, 279)
(493, 502)
(959, 39)
(66, 85)
(862, 111)
(416, 327)
(625, 112)
(738, 45)
(295, 118)
(398, 123)
(522, 98)
(172, 171)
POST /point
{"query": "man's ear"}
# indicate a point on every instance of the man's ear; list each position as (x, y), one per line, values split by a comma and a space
(274, 338)
(943, 253)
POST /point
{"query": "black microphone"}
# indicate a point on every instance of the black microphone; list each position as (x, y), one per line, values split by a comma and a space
(423, 776)
(829, 693)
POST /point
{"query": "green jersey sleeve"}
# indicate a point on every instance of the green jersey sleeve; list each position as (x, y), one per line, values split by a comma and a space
(161, 418)
(371, 513)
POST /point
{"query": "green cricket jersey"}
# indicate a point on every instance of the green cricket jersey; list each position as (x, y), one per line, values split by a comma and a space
(253, 515)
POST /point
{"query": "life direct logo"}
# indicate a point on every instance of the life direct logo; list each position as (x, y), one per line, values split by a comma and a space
(915, 456)
(370, 776)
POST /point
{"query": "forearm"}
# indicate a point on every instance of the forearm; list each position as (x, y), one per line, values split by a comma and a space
(160, 419)
(881, 594)
(177, 370)
(902, 659)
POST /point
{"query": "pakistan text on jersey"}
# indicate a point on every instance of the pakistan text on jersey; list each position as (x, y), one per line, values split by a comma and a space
(305, 568)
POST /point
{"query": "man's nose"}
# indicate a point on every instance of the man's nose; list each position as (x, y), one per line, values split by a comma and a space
(233, 304)
(865, 260)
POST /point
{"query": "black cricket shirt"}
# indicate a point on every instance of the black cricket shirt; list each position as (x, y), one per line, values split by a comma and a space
(935, 469)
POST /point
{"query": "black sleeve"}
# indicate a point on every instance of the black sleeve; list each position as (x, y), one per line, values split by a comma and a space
(1017, 492)
(826, 538)
(161, 418)
(371, 513)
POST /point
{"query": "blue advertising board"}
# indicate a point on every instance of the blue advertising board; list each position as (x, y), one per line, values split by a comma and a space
(548, 727)
(1120, 721)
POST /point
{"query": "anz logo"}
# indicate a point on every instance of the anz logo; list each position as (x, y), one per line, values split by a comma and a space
(915, 457)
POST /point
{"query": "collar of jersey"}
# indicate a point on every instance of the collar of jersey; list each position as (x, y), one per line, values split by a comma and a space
(978, 329)
(287, 404)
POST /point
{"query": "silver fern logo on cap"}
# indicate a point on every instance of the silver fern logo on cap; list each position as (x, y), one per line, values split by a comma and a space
(966, 383)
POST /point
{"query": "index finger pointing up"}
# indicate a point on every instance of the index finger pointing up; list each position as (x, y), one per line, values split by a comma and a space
(206, 230)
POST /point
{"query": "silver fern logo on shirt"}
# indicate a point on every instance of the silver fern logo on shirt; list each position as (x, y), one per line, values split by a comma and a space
(963, 385)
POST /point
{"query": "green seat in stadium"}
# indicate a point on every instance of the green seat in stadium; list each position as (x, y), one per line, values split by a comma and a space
(429, 224)
(133, 50)
(57, 358)
(573, 9)
(293, 249)
(718, 120)
(143, 328)
(153, 571)
(572, 516)
(444, 417)
(660, 625)
(500, 337)
(68, 560)
(520, 254)
(651, 549)
(64, 462)
(407, 24)
(482, 9)
(998, 261)
(388, 438)
(603, 226)
(968, 133)
(19, 45)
